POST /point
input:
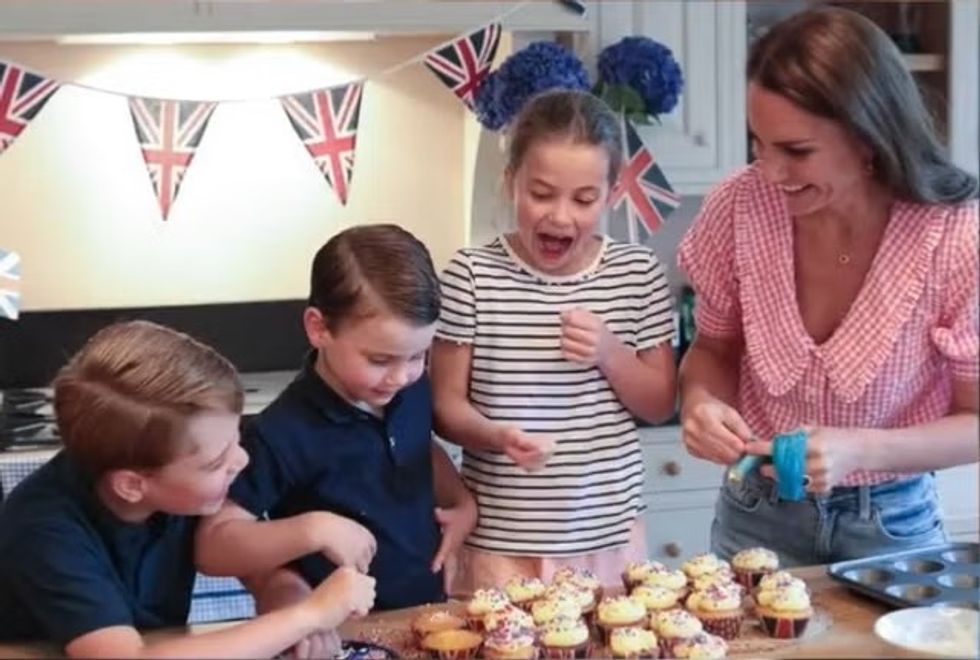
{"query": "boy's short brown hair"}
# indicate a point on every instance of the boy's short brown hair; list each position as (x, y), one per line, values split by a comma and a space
(122, 400)
(381, 264)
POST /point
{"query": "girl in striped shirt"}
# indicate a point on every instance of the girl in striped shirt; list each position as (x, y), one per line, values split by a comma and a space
(551, 340)
(837, 282)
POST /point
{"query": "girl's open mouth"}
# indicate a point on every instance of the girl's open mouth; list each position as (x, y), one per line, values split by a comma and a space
(553, 247)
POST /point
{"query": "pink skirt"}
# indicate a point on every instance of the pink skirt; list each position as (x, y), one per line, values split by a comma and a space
(477, 569)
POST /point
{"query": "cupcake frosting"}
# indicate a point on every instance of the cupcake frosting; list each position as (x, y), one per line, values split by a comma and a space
(631, 641)
(701, 645)
(718, 598)
(547, 609)
(675, 623)
(621, 609)
(654, 597)
(637, 570)
(565, 631)
(509, 637)
(438, 620)
(487, 600)
(580, 577)
(787, 600)
(756, 559)
(779, 579)
(675, 580)
(719, 578)
(521, 589)
(702, 564)
(509, 616)
(584, 598)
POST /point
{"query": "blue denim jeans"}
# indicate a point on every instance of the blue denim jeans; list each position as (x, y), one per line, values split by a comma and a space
(849, 523)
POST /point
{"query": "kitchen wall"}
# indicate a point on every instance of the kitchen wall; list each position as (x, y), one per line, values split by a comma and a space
(78, 205)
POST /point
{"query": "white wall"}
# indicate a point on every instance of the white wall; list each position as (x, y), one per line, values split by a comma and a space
(78, 206)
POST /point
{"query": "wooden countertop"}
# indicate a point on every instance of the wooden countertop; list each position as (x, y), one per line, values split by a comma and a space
(847, 628)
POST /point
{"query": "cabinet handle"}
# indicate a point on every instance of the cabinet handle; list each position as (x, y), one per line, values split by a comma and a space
(672, 550)
(672, 468)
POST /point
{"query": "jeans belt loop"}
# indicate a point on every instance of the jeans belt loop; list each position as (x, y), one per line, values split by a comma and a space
(864, 502)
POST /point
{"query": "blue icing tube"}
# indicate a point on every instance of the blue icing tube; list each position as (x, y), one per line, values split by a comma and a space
(744, 467)
(789, 460)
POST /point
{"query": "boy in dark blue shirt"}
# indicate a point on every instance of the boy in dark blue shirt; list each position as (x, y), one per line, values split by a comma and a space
(98, 543)
(346, 451)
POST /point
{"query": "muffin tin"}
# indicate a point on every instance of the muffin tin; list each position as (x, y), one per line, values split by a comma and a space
(943, 575)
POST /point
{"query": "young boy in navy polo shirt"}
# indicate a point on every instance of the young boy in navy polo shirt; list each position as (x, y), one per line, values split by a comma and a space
(346, 451)
(98, 543)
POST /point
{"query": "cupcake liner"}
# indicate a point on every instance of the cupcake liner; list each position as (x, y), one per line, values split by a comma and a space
(583, 650)
(750, 579)
(454, 654)
(526, 605)
(531, 653)
(784, 627)
(727, 628)
(475, 623)
(652, 654)
(666, 645)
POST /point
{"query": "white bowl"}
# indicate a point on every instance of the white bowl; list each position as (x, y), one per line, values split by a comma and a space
(938, 631)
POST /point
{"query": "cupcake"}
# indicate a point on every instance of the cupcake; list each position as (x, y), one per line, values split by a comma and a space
(549, 608)
(633, 642)
(718, 579)
(636, 571)
(452, 644)
(619, 612)
(670, 579)
(786, 613)
(509, 616)
(673, 626)
(523, 591)
(703, 565)
(435, 621)
(580, 594)
(581, 578)
(752, 564)
(778, 580)
(510, 642)
(483, 602)
(566, 638)
(702, 645)
(720, 610)
(655, 598)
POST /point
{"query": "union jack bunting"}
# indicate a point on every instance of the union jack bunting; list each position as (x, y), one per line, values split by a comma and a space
(168, 133)
(642, 188)
(22, 95)
(326, 122)
(9, 285)
(465, 63)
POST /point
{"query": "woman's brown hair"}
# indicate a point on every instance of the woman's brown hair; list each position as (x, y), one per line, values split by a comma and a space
(837, 64)
(122, 400)
(368, 266)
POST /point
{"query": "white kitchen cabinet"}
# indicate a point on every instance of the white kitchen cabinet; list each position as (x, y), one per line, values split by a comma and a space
(680, 493)
(704, 138)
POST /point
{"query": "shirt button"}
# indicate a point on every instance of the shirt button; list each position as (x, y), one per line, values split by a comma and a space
(391, 441)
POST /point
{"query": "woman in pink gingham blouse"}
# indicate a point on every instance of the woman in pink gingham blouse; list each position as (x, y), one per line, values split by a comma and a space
(837, 283)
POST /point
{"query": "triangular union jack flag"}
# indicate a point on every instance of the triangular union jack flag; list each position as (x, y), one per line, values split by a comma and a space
(168, 133)
(465, 63)
(326, 122)
(642, 187)
(9, 285)
(22, 95)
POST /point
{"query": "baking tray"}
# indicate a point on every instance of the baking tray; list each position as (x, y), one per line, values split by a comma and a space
(945, 575)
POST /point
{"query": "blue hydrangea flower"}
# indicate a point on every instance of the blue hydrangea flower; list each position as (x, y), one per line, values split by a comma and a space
(541, 66)
(646, 66)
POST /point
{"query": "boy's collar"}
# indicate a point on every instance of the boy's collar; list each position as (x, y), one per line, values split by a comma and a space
(335, 407)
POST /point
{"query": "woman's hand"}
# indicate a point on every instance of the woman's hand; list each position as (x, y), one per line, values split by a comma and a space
(713, 430)
(831, 455)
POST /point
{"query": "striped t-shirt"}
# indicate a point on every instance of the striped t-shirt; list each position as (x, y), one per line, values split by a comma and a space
(588, 495)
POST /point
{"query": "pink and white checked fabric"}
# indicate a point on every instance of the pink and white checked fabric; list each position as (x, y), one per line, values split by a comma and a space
(911, 331)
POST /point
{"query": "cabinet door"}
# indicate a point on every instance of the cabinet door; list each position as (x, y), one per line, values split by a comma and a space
(704, 138)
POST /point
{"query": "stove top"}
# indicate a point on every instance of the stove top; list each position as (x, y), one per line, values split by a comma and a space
(27, 414)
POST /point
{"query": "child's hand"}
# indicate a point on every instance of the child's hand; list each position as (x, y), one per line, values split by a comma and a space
(343, 541)
(323, 644)
(585, 339)
(456, 522)
(531, 452)
(344, 594)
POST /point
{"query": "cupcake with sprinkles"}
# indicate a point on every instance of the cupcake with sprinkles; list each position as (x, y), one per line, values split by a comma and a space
(554, 607)
(705, 564)
(619, 612)
(673, 626)
(510, 642)
(452, 644)
(675, 580)
(720, 610)
(523, 591)
(654, 598)
(702, 645)
(580, 594)
(786, 612)
(752, 564)
(778, 580)
(580, 577)
(633, 642)
(565, 638)
(636, 571)
(509, 616)
(482, 603)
